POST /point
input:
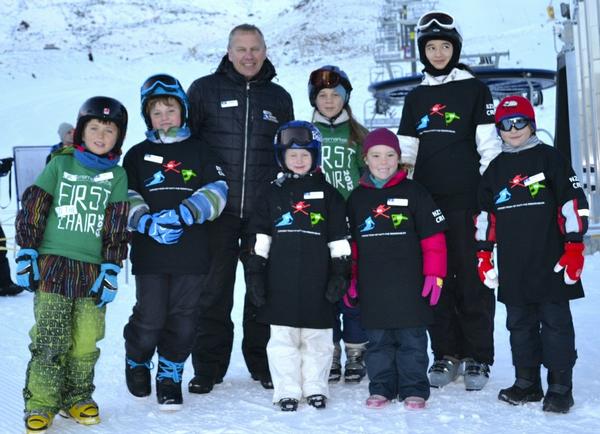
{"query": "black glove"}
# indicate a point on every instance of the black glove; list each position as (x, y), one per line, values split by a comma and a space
(256, 274)
(339, 278)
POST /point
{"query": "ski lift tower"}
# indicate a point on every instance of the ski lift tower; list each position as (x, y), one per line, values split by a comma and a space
(578, 100)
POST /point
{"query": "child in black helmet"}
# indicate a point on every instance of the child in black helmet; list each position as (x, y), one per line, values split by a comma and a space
(329, 92)
(173, 190)
(299, 268)
(447, 133)
(73, 237)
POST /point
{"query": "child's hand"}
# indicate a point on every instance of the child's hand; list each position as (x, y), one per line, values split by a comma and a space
(572, 261)
(485, 268)
(164, 227)
(351, 296)
(256, 267)
(28, 273)
(433, 286)
(339, 278)
(104, 289)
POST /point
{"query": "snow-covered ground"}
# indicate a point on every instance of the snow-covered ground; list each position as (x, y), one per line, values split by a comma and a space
(132, 39)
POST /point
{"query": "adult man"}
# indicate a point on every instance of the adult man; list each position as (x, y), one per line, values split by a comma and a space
(236, 112)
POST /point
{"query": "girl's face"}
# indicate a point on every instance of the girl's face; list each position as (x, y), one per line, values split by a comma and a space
(163, 116)
(382, 161)
(100, 137)
(298, 161)
(439, 52)
(329, 102)
(516, 138)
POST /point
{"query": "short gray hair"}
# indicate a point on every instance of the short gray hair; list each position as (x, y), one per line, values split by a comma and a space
(245, 28)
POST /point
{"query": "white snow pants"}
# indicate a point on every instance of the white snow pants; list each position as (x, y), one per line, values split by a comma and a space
(299, 361)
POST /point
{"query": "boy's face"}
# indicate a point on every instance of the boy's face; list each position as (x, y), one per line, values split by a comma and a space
(329, 102)
(382, 161)
(439, 52)
(515, 137)
(100, 137)
(298, 161)
(163, 116)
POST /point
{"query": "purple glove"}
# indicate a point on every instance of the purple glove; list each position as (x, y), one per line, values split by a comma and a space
(433, 286)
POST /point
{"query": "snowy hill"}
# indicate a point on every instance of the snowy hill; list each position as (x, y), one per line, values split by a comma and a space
(132, 39)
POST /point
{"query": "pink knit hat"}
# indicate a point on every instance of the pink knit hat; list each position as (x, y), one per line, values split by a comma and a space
(381, 136)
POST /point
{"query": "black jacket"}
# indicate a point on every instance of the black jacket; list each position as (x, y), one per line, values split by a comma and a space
(237, 120)
(161, 188)
(388, 225)
(302, 216)
(529, 235)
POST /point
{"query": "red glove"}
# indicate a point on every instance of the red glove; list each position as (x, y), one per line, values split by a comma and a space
(351, 296)
(485, 268)
(433, 286)
(572, 262)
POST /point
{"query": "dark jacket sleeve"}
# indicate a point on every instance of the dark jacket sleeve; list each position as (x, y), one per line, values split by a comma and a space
(31, 219)
(114, 232)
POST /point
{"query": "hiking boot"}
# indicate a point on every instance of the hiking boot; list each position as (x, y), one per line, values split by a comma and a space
(36, 423)
(354, 368)
(335, 373)
(559, 398)
(317, 401)
(527, 387)
(137, 376)
(288, 404)
(168, 384)
(443, 371)
(476, 374)
(377, 401)
(84, 412)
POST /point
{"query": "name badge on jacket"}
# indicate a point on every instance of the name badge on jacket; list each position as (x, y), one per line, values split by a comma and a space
(229, 104)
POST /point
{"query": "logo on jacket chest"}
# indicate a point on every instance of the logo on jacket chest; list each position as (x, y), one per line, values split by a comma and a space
(300, 210)
(437, 111)
(533, 184)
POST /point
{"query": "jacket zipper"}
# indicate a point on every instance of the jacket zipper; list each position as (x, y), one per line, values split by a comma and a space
(245, 149)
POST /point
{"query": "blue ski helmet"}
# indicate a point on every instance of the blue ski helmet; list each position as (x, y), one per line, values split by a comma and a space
(327, 77)
(103, 108)
(298, 135)
(164, 85)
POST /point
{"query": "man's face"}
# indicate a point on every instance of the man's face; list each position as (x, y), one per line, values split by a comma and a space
(247, 53)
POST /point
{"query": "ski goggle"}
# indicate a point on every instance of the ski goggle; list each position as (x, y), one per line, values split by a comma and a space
(442, 19)
(325, 78)
(160, 81)
(507, 124)
(289, 136)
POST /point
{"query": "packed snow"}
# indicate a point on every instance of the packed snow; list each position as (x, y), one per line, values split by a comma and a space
(131, 40)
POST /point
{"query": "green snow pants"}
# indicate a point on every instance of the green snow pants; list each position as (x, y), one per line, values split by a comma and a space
(63, 352)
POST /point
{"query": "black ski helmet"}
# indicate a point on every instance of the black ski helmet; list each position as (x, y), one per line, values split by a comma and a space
(103, 108)
(164, 85)
(298, 135)
(327, 77)
(438, 25)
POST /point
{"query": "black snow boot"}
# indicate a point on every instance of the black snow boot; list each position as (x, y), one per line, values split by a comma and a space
(527, 387)
(137, 376)
(168, 384)
(317, 401)
(288, 404)
(559, 398)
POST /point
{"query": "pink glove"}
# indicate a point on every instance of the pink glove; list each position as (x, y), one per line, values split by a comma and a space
(433, 286)
(351, 296)
(572, 262)
(485, 268)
